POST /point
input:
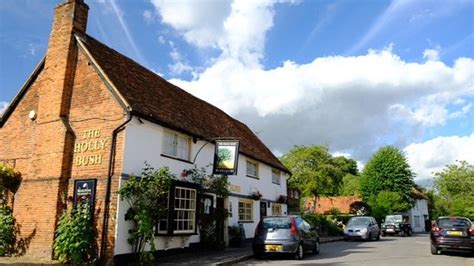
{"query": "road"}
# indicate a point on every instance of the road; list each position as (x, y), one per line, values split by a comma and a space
(404, 251)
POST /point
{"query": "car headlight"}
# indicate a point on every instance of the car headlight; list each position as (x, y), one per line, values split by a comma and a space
(363, 230)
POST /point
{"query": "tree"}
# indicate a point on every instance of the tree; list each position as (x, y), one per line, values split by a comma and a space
(350, 185)
(387, 202)
(454, 190)
(313, 170)
(387, 170)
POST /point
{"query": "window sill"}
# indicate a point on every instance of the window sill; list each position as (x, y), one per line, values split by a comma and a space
(275, 183)
(176, 158)
(254, 177)
(245, 222)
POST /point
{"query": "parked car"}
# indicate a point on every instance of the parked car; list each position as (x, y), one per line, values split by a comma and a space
(285, 234)
(452, 234)
(396, 224)
(362, 227)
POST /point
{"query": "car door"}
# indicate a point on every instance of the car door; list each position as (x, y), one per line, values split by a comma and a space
(374, 227)
(312, 235)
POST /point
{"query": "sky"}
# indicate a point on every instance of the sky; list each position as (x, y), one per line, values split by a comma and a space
(354, 75)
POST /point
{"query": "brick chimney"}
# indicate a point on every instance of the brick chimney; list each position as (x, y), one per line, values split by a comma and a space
(52, 153)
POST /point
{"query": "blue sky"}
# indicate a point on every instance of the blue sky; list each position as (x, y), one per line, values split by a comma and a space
(353, 75)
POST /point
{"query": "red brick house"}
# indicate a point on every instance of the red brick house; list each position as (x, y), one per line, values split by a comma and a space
(89, 113)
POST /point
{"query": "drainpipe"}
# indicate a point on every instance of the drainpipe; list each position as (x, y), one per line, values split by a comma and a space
(103, 244)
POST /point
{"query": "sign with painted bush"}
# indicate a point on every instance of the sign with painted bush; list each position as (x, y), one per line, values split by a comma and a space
(226, 157)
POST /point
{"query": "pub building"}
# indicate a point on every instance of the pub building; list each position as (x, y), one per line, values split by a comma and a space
(88, 117)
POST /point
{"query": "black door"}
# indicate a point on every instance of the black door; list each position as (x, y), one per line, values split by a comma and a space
(263, 209)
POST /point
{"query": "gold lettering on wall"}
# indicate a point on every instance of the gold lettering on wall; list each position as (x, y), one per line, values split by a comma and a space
(90, 142)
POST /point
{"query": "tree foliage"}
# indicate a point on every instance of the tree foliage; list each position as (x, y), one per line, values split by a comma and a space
(454, 190)
(387, 202)
(315, 172)
(350, 185)
(387, 170)
(7, 231)
(9, 182)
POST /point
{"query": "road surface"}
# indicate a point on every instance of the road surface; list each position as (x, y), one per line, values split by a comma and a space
(403, 251)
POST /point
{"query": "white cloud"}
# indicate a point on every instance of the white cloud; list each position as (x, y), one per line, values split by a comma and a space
(148, 16)
(433, 155)
(355, 103)
(3, 107)
(431, 54)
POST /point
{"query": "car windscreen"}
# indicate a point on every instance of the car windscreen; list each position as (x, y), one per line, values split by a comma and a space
(393, 219)
(358, 222)
(454, 222)
(277, 222)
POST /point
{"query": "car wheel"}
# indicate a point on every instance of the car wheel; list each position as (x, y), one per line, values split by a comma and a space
(317, 247)
(409, 232)
(434, 250)
(383, 234)
(299, 252)
(378, 237)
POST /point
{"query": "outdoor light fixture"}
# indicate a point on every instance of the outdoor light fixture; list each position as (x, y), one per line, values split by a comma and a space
(32, 115)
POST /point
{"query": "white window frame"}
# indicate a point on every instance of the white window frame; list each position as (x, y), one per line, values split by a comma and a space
(176, 145)
(190, 219)
(276, 176)
(250, 162)
(277, 209)
(245, 210)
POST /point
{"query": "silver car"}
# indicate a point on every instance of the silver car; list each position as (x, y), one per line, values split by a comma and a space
(362, 227)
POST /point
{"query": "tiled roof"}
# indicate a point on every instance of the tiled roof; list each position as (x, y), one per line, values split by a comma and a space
(152, 97)
(325, 204)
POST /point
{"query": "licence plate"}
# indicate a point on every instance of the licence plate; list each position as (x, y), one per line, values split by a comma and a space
(455, 233)
(273, 248)
(389, 230)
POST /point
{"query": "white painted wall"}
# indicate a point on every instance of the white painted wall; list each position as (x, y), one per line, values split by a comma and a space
(420, 209)
(143, 142)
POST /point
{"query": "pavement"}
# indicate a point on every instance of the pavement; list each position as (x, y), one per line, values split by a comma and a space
(229, 256)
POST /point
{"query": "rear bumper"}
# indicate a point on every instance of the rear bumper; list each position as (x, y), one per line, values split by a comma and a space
(287, 246)
(443, 243)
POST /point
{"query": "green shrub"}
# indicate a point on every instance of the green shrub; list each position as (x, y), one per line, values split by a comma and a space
(7, 231)
(74, 240)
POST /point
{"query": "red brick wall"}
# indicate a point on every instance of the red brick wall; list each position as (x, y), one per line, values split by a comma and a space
(325, 204)
(69, 98)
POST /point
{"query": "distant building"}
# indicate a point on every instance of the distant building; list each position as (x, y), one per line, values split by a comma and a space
(418, 214)
(294, 200)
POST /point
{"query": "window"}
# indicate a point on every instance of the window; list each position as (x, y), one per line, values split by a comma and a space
(184, 210)
(275, 176)
(176, 145)
(230, 208)
(252, 169)
(276, 209)
(296, 194)
(245, 210)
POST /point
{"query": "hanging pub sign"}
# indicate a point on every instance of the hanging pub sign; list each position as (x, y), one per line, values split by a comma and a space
(84, 192)
(226, 157)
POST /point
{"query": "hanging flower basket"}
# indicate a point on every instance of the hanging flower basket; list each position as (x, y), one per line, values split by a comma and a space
(282, 199)
(256, 195)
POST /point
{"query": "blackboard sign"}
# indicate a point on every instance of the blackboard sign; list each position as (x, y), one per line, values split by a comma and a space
(84, 192)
